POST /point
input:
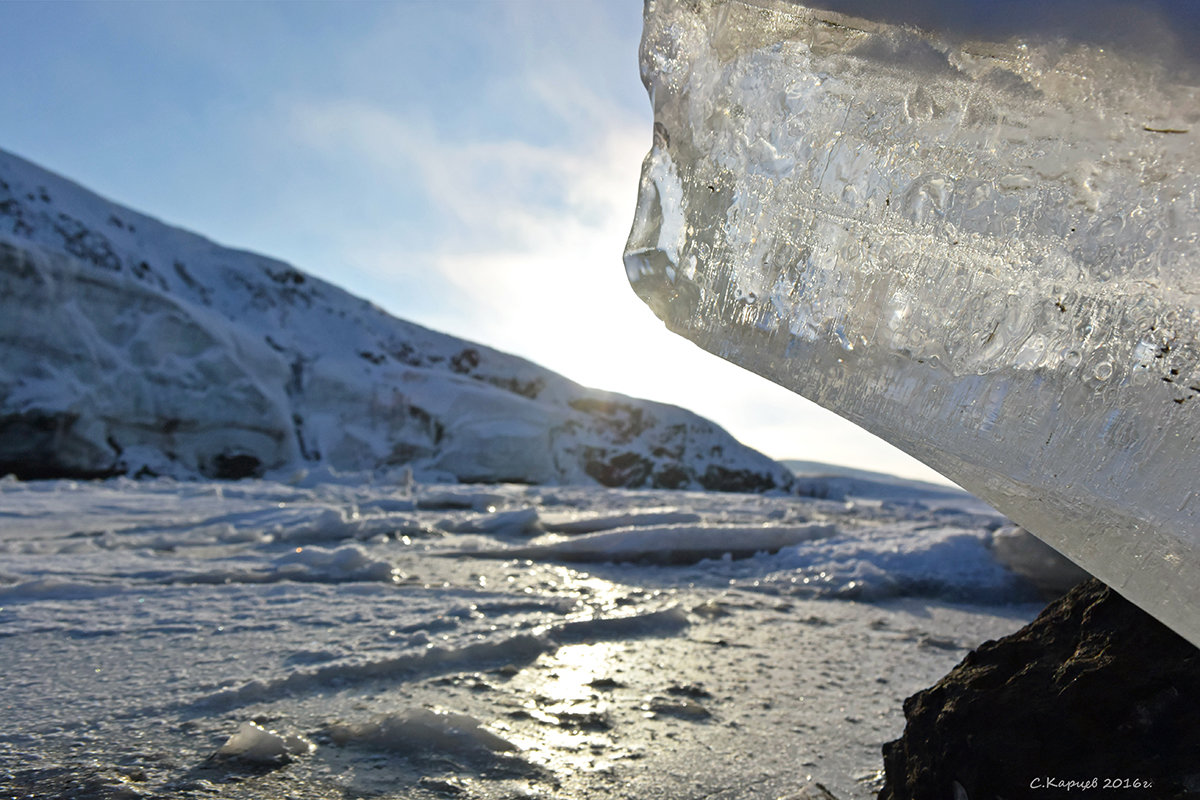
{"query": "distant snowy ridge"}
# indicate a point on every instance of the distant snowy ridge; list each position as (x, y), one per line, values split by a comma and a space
(817, 479)
(133, 347)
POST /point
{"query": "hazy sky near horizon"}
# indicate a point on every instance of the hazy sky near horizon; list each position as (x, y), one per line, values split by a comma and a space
(469, 166)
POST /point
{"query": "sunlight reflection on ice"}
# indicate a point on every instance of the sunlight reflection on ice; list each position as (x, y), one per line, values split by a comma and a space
(564, 696)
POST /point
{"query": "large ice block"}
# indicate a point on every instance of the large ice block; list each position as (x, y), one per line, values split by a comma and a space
(985, 252)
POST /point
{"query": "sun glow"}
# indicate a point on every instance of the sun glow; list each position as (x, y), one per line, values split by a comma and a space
(529, 262)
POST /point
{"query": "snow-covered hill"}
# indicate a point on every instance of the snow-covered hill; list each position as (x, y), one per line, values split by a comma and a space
(129, 346)
(818, 479)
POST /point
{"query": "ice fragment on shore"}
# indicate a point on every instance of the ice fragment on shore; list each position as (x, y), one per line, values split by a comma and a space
(347, 563)
(682, 707)
(497, 523)
(670, 544)
(574, 522)
(984, 253)
(423, 729)
(252, 742)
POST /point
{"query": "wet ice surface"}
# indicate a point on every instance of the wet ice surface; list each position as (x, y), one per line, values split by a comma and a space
(454, 642)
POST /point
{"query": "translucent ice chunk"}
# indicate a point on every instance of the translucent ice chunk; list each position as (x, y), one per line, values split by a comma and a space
(986, 253)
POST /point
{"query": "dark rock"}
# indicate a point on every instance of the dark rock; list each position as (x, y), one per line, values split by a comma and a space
(623, 469)
(672, 476)
(235, 466)
(1094, 689)
(40, 445)
(720, 479)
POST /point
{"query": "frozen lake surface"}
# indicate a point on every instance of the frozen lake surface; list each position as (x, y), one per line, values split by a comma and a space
(475, 641)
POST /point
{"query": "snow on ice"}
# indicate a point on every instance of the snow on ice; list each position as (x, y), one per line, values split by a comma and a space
(453, 632)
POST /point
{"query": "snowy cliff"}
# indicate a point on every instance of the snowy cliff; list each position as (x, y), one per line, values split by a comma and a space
(130, 346)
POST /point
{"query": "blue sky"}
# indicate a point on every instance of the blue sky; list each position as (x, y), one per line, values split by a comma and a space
(470, 166)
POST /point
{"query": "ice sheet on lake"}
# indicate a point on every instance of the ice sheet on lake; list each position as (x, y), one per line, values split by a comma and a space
(64, 541)
(178, 611)
(985, 253)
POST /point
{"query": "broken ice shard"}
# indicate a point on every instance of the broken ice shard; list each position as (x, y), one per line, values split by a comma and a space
(987, 253)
